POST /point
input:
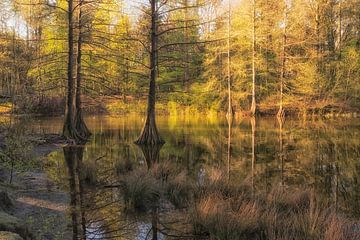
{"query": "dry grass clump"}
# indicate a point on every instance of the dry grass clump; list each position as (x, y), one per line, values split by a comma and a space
(217, 208)
(163, 170)
(180, 190)
(275, 216)
(217, 182)
(215, 217)
(141, 191)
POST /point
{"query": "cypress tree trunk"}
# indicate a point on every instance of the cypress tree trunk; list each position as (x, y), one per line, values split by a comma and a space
(79, 121)
(150, 134)
(69, 129)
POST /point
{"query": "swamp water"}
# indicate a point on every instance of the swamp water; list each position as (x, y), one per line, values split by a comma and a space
(321, 155)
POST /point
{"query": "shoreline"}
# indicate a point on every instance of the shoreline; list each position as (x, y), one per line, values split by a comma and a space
(38, 204)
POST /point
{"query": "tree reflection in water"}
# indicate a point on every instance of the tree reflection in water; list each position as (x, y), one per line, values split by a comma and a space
(318, 155)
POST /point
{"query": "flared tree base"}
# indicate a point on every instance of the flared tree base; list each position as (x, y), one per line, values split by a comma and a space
(150, 135)
(82, 129)
(75, 135)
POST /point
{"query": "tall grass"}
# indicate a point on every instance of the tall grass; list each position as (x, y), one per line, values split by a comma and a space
(220, 209)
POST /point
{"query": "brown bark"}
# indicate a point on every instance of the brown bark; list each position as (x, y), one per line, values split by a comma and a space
(150, 134)
(80, 125)
(69, 129)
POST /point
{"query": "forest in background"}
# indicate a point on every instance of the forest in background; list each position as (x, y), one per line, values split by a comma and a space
(212, 55)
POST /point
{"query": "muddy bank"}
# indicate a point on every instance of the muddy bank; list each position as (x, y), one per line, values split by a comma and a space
(38, 204)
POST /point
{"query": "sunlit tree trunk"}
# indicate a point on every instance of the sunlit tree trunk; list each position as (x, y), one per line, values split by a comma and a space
(230, 111)
(69, 129)
(80, 123)
(150, 134)
(281, 113)
(340, 29)
(253, 101)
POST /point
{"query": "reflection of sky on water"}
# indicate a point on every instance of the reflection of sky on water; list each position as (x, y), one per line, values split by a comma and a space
(317, 154)
(144, 232)
(94, 232)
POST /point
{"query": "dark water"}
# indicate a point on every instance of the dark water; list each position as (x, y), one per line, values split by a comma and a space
(323, 155)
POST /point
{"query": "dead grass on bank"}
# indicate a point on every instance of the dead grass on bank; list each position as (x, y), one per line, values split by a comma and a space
(220, 209)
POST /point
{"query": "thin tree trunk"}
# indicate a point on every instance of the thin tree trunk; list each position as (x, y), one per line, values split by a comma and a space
(230, 112)
(340, 29)
(253, 102)
(150, 134)
(281, 113)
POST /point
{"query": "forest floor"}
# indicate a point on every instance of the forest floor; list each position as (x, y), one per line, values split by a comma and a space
(38, 202)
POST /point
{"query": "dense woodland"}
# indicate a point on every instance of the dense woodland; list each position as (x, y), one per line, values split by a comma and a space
(216, 178)
(263, 56)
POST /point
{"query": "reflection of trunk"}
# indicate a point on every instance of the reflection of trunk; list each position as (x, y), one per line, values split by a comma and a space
(73, 157)
(230, 122)
(151, 153)
(70, 158)
(253, 101)
(79, 121)
(188, 153)
(335, 186)
(150, 134)
(12, 170)
(79, 157)
(154, 224)
(253, 153)
(281, 153)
